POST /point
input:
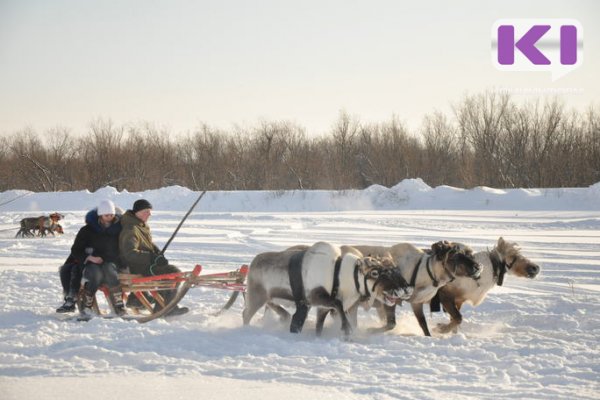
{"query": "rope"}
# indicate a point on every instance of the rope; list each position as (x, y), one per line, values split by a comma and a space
(16, 198)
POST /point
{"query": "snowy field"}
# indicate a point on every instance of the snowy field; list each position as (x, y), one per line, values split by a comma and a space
(530, 339)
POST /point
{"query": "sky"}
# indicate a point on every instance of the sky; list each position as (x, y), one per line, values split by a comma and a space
(178, 64)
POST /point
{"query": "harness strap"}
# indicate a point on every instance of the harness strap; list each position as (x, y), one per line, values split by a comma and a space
(363, 297)
(413, 279)
(356, 278)
(295, 274)
(367, 294)
(499, 267)
(336, 278)
(450, 273)
(430, 273)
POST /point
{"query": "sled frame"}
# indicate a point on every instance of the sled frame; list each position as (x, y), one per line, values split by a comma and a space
(150, 287)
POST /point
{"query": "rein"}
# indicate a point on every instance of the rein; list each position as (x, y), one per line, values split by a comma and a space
(450, 273)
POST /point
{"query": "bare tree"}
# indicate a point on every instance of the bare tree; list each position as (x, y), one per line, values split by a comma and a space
(444, 162)
(489, 140)
(480, 125)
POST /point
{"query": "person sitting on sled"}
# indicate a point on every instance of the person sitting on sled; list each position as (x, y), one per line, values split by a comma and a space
(96, 248)
(70, 278)
(141, 255)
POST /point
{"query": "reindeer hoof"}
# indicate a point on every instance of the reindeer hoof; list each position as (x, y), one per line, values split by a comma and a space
(445, 328)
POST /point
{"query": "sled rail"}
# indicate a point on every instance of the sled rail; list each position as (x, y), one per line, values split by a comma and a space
(147, 289)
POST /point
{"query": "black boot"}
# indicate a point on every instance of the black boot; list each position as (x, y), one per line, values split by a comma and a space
(68, 306)
(117, 301)
(177, 311)
(168, 296)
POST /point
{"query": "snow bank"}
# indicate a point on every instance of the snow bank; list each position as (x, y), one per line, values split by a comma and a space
(409, 194)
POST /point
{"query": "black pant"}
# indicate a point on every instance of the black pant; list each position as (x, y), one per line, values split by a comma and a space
(70, 279)
(156, 270)
(100, 274)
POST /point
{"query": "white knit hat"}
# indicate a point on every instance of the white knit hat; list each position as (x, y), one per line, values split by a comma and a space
(106, 207)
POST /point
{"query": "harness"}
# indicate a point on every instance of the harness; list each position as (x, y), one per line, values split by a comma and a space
(336, 277)
(367, 295)
(297, 285)
(295, 274)
(499, 267)
(435, 281)
(413, 278)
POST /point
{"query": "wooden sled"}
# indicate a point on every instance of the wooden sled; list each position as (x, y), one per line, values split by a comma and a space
(147, 289)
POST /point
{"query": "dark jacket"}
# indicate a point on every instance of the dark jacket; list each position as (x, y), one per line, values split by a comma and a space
(93, 239)
(135, 244)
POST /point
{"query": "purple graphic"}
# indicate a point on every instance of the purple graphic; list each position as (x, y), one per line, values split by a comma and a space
(568, 45)
(526, 44)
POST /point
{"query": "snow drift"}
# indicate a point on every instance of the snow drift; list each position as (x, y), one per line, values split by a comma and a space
(410, 194)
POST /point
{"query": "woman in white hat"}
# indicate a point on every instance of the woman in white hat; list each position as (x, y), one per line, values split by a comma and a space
(96, 247)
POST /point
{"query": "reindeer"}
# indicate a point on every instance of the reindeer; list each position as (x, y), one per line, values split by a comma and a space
(42, 224)
(319, 276)
(504, 258)
(426, 272)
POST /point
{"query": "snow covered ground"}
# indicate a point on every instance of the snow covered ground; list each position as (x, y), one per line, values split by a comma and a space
(535, 339)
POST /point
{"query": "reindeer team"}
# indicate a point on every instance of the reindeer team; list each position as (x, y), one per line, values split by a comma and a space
(42, 224)
(340, 279)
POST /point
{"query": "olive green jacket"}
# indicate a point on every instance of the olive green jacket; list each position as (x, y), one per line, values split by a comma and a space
(136, 249)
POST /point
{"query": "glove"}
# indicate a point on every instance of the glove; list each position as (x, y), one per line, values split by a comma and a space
(160, 261)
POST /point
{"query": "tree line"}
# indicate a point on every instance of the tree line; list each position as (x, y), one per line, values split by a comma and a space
(488, 140)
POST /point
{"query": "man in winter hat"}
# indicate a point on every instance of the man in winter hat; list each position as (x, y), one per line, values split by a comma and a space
(139, 252)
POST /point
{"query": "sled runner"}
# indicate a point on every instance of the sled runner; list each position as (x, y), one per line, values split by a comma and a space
(147, 289)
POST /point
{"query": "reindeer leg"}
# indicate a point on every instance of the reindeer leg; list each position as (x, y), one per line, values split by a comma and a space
(321, 315)
(389, 312)
(255, 299)
(353, 315)
(299, 317)
(390, 317)
(453, 309)
(418, 311)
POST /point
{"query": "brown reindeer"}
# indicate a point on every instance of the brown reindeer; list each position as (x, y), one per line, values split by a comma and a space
(42, 224)
(504, 258)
